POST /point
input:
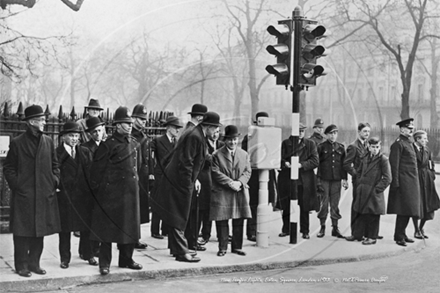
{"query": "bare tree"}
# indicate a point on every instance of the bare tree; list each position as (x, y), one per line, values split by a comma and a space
(30, 3)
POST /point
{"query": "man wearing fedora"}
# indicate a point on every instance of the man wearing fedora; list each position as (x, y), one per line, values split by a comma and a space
(254, 186)
(231, 170)
(318, 135)
(93, 109)
(114, 181)
(161, 147)
(75, 199)
(32, 171)
(404, 196)
(146, 168)
(173, 198)
(331, 176)
(307, 197)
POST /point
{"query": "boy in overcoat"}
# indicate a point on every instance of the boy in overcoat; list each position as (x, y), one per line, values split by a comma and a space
(32, 171)
(373, 177)
(231, 170)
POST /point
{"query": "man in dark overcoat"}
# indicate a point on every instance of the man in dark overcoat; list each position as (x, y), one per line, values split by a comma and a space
(146, 168)
(75, 199)
(32, 171)
(114, 180)
(318, 135)
(307, 198)
(161, 147)
(355, 152)
(173, 198)
(254, 186)
(404, 196)
(429, 198)
(331, 177)
(373, 177)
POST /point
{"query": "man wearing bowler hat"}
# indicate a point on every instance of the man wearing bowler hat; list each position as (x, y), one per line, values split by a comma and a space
(318, 135)
(146, 168)
(75, 199)
(197, 113)
(93, 109)
(331, 176)
(161, 147)
(404, 196)
(114, 182)
(173, 198)
(32, 171)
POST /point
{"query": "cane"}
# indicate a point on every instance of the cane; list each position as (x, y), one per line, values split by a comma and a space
(196, 228)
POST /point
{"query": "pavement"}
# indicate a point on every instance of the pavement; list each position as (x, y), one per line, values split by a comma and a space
(158, 264)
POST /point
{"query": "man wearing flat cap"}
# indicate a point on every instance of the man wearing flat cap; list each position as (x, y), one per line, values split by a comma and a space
(173, 198)
(404, 196)
(114, 182)
(161, 147)
(93, 109)
(318, 132)
(331, 176)
(139, 116)
(75, 198)
(307, 197)
(32, 171)
(355, 152)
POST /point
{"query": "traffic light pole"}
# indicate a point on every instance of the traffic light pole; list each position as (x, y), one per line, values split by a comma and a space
(297, 18)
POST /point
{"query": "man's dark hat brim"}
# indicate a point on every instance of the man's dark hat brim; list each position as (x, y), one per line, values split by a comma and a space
(198, 109)
(173, 121)
(93, 126)
(33, 111)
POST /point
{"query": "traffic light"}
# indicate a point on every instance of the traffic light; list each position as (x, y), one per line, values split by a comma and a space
(310, 52)
(282, 50)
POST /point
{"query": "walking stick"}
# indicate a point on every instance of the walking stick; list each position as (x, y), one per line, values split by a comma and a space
(196, 228)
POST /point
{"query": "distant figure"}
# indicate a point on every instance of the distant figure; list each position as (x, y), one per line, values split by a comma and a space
(428, 194)
(231, 170)
(32, 171)
(93, 110)
(318, 135)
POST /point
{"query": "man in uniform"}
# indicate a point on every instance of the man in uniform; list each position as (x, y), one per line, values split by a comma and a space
(145, 170)
(330, 176)
(318, 132)
(404, 196)
(173, 198)
(114, 181)
(161, 147)
(32, 171)
(355, 152)
(307, 198)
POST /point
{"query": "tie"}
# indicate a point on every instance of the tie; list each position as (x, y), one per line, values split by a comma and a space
(232, 155)
(73, 153)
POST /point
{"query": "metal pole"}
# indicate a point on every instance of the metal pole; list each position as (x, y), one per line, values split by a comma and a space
(297, 17)
(263, 209)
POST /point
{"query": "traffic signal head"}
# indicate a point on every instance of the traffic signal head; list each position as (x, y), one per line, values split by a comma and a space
(282, 50)
(310, 52)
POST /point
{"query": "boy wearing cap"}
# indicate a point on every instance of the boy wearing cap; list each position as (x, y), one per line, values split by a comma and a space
(114, 181)
(373, 177)
(404, 196)
(75, 200)
(355, 152)
(32, 171)
(331, 176)
(161, 147)
(428, 194)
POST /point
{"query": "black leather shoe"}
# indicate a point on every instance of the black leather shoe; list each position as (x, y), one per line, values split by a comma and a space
(64, 265)
(82, 257)
(401, 242)
(24, 273)
(321, 232)
(92, 261)
(239, 252)
(133, 266)
(252, 238)
(202, 242)
(157, 236)
(306, 236)
(282, 234)
(104, 271)
(187, 258)
(379, 237)
(140, 245)
(221, 253)
(38, 271)
(409, 240)
(336, 233)
(352, 238)
(198, 248)
(418, 235)
(369, 241)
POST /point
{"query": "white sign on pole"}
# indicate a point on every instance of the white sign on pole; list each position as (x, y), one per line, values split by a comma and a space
(4, 145)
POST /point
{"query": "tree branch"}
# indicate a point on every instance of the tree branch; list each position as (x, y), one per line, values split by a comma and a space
(74, 7)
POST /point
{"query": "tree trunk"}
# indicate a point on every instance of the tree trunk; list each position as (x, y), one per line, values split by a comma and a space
(433, 91)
